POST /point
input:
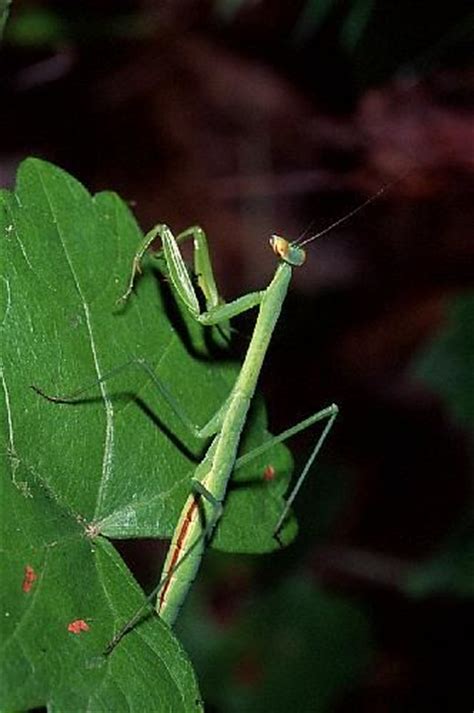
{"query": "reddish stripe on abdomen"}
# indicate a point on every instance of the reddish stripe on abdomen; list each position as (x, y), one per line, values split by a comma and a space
(179, 546)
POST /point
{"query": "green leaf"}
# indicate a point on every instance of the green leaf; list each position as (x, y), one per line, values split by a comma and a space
(115, 464)
(52, 576)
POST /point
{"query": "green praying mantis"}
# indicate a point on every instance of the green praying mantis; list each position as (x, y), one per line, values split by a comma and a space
(204, 505)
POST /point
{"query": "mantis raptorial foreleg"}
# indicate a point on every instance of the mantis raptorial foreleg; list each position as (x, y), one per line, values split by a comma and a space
(216, 311)
(202, 264)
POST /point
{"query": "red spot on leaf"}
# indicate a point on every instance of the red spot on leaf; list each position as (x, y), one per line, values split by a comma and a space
(269, 473)
(29, 578)
(78, 625)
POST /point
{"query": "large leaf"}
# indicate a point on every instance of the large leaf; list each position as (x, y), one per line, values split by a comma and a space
(118, 462)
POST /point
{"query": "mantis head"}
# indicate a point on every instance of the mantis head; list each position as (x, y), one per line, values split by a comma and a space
(289, 252)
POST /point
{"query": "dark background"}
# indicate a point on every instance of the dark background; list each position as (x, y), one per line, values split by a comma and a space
(250, 118)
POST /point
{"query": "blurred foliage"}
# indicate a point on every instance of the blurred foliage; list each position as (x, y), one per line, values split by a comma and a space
(227, 9)
(451, 571)
(447, 365)
(380, 38)
(4, 7)
(36, 26)
(316, 12)
(293, 648)
(46, 26)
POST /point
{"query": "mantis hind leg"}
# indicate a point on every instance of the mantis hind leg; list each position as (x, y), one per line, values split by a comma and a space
(328, 414)
(209, 429)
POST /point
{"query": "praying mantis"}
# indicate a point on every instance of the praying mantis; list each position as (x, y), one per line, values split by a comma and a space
(203, 506)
